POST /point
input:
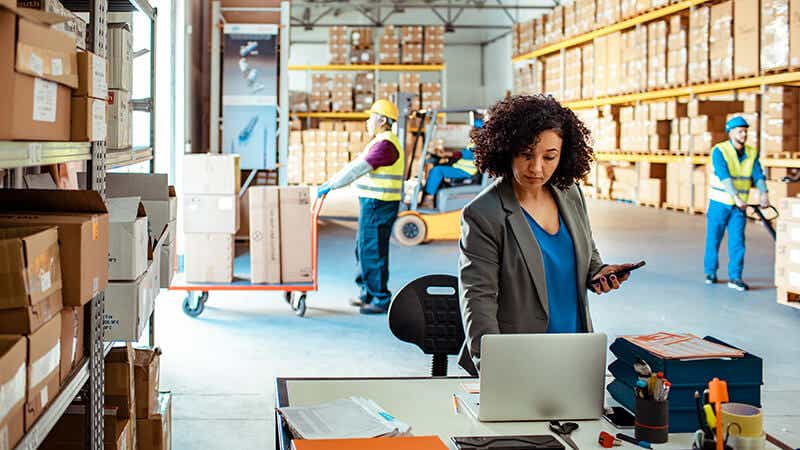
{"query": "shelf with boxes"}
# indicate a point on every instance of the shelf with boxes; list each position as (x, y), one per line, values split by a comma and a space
(372, 67)
(787, 245)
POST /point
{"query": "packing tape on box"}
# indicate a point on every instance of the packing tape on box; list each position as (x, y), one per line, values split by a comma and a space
(45, 365)
(750, 420)
(13, 391)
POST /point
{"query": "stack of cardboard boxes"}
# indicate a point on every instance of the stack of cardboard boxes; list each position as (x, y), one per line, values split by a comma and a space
(780, 120)
(515, 44)
(787, 252)
(72, 25)
(433, 52)
(585, 10)
(120, 85)
(410, 84)
(634, 125)
(572, 74)
(412, 40)
(746, 30)
(652, 183)
(431, 95)
(656, 54)
(587, 71)
(523, 79)
(698, 44)
(54, 246)
(294, 170)
(527, 36)
(570, 17)
(89, 100)
(389, 46)
(210, 216)
(608, 12)
(680, 177)
(707, 122)
(336, 151)
(362, 49)
(607, 133)
(314, 157)
(342, 94)
(153, 408)
(364, 89)
(554, 26)
(720, 43)
(552, 75)
(298, 101)
(387, 90)
(634, 60)
(677, 49)
(320, 99)
(751, 112)
(337, 45)
(774, 34)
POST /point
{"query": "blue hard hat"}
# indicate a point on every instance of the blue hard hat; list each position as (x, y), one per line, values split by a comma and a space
(478, 123)
(735, 122)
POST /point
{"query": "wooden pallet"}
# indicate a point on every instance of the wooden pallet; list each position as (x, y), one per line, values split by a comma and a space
(660, 152)
(649, 205)
(684, 209)
(788, 298)
(782, 155)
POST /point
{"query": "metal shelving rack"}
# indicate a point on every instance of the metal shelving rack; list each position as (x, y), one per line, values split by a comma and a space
(88, 379)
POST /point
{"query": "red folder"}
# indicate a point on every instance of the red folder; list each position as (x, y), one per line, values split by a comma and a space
(383, 443)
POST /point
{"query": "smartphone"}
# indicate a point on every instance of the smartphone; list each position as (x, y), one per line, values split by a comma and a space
(622, 272)
(619, 417)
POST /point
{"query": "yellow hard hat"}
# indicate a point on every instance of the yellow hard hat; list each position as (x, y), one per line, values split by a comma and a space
(385, 108)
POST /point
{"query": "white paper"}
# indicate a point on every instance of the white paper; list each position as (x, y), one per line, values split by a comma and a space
(45, 100)
(98, 120)
(36, 64)
(100, 85)
(57, 67)
(341, 419)
(45, 280)
(44, 397)
(12, 392)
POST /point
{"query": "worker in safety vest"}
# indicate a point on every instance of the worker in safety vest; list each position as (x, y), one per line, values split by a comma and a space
(378, 176)
(462, 167)
(736, 168)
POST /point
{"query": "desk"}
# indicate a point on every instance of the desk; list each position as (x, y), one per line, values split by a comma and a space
(426, 404)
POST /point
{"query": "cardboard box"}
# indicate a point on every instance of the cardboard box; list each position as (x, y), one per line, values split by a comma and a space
(118, 119)
(26, 320)
(208, 257)
(204, 213)
(120, 388)
(30, 265)
(82, 220)
(120, 57)
(158, 197)
(44, 357)
(794, 33)
(92, 80)
(88, 117)
(265, 240)
(155, 433)
(211, 174)
(46, 53)
(146, 381)
(168, 257)
(71, 340)
(13, 370)
(127, 239)
(69, 433)
(295, 207)
(746, 43)
(789, 209)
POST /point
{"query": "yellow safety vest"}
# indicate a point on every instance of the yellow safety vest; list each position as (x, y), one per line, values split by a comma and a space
(467, 165)
(741, 174)
(384, 183)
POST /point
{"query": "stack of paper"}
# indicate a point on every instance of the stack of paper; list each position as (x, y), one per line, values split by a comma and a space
(355, 417)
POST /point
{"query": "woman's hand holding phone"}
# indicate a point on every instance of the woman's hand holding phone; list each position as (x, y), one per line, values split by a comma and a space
(612, 276)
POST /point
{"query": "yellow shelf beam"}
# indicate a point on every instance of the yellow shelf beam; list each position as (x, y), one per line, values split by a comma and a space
(371, 67)
(332, 115)
(619, 26)
(718, 87)
(776, 162)
(644, 157)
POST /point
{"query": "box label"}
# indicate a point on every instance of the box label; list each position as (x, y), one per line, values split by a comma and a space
(45, 281)
(45, 100)
(44, 397)
(98, 120)
(36, 64)
(12, 393)
(99, 83)
(57, 67)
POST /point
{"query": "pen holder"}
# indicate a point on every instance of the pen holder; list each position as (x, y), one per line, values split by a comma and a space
(652, 420)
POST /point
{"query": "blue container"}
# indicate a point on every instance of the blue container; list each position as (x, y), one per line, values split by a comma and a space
(743, 375)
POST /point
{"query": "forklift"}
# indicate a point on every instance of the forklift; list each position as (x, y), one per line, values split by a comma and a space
(416, 225)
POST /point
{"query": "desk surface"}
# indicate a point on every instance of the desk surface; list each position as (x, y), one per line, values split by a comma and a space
(426, 404)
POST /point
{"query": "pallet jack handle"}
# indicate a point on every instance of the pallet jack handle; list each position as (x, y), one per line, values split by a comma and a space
(758, 211)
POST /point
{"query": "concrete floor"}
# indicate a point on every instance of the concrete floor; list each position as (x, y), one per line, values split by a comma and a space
(222, 366)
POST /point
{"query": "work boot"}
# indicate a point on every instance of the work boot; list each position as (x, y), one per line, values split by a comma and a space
(357, 301)
(372, 309)
(739, 285)
(427, 202)
(711, 279)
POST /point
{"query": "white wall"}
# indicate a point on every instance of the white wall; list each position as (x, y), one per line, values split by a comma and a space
(497, 70)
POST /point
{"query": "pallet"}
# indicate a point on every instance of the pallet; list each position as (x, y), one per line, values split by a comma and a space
(782, 155)
(684, 209)
(775, 70)
(788, 298)
(649, 205)
(660, 152)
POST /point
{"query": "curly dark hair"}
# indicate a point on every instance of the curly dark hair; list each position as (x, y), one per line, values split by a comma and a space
(515, 124)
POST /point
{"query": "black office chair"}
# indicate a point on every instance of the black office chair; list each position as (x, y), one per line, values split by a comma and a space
(426, 312)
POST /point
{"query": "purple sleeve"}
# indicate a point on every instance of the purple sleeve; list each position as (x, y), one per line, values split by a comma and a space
(381, 154)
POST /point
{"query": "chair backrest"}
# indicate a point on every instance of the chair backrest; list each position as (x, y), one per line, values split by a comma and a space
(426, 312)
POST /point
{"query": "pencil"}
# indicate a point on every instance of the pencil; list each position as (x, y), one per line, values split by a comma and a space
(456, 408)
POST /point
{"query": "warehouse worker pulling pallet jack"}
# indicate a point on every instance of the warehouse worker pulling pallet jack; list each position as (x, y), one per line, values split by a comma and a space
(378, 174)
(736, 167)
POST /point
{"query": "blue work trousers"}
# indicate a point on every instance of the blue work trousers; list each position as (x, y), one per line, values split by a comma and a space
(439, 173)
(721, 216)
(372, 249)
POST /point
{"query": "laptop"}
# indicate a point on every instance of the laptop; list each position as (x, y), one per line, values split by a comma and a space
(527, 377)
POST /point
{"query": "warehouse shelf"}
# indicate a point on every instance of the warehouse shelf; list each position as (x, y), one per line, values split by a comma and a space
(625, 24)
(25, 154)
(695, 159)
(706, 88)
(121, 158)
(36, 435)
(114, 6)
(332, 115)
(371, 67)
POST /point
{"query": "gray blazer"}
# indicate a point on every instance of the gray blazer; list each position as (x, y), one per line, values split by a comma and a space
(501, 272)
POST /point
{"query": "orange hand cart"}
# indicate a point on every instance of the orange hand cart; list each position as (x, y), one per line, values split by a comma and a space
(294, 293)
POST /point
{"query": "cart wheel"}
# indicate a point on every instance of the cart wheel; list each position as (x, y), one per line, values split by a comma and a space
(300, 307)
(288, 296)
(409, 230)
(193, 305)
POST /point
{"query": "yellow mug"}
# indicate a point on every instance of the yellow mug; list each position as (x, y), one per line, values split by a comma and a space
(749, 419)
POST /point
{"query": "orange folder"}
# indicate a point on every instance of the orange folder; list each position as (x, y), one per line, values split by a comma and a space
(384, 443)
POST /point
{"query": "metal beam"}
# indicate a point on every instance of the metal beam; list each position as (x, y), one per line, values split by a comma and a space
(426, 6)
(364, 12)
(444, 21)
(507, 12)
(367, 25)
(496, 38)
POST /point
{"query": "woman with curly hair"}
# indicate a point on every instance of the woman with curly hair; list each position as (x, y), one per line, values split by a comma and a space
(527, 256)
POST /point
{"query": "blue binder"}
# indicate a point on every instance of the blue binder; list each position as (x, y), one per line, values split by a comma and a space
(744, 377)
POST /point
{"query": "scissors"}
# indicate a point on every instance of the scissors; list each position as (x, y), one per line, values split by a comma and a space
(564, 430)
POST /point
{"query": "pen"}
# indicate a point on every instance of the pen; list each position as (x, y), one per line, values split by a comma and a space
(626, 438)
(456, 409)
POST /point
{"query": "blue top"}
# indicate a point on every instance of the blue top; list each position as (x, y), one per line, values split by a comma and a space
(467, 154)
(558, 254)
(721, 167)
